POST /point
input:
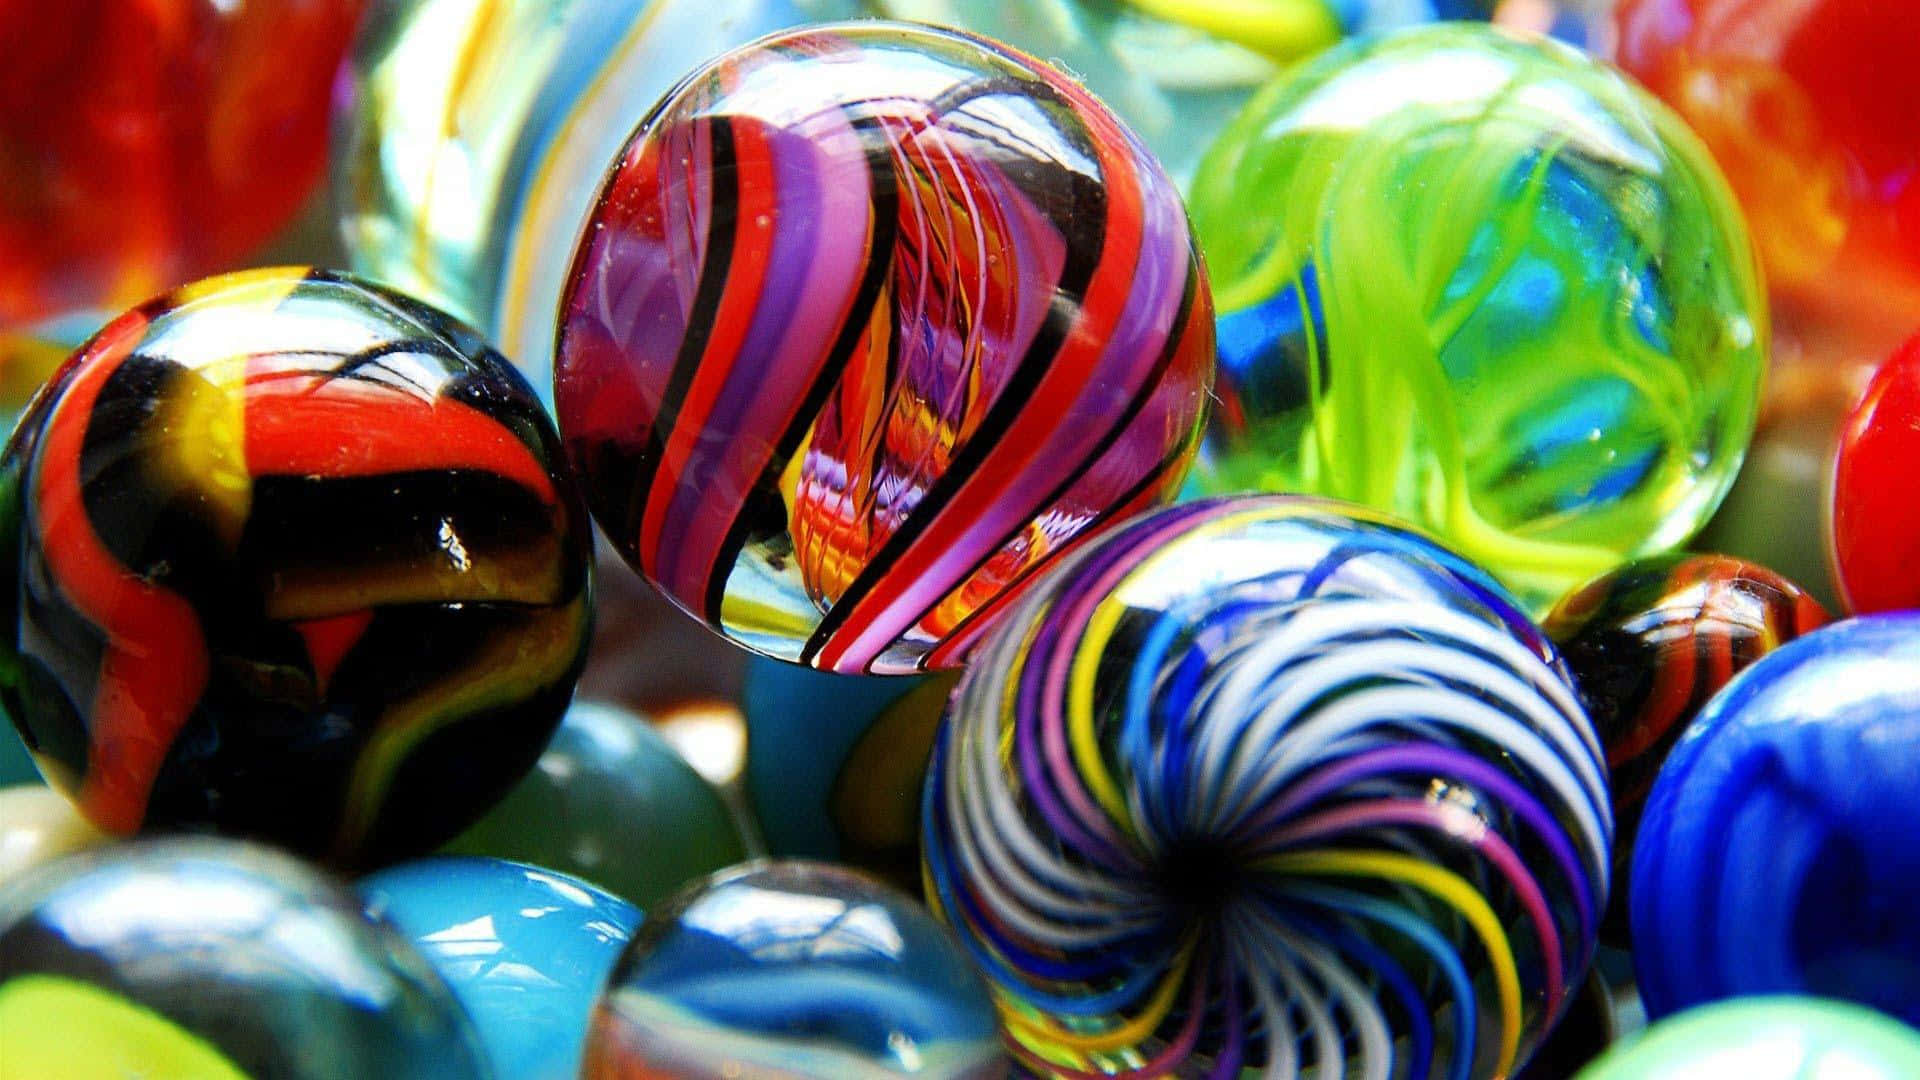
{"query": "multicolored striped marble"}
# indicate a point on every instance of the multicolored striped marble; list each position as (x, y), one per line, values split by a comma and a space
(1649, 645)
(1270, 784)
(868, 324)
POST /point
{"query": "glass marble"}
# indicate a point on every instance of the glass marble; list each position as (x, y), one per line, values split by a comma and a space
(868, 323)
(287, 556)
(525, 951)
(216, 960)
(1270, 783)
(793, 969)
(143, 145)
(612, 803)
(1767, 1038)
(474, 134)
(836, 764)
(1649, 644)
(1873, 524)
(1807, 104)
(1775, 854)
(1486, 283)
(37, 825)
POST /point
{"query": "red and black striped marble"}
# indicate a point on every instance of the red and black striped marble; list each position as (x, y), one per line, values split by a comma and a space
(1649, 644)
(287, 556)
(868, 324)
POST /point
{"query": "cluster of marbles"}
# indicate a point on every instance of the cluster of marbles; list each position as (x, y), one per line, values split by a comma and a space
(287, 556)
(613, 803)
(795, 969)
(1649, 644)
(1270, 783)
(215, 960)
(524, 950)
(1774, 854)
(473, 134)
(858, 337)
(143, 145)
(1488, 284)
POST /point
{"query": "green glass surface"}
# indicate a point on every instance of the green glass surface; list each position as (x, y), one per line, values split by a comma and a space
(1767, 1038)
(1488, 284)
(613, 803)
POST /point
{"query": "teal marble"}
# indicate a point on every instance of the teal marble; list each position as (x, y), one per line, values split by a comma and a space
(613, 803)
(524, 950)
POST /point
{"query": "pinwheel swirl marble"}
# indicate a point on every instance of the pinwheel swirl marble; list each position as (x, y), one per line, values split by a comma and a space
(1776, 854)
(1490, 285)
(1649, 644)
(1270, 783)
(290, 557)
(868, 323)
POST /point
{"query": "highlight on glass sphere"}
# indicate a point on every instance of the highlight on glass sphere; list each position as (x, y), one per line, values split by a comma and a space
(525, 950)
(217, 960)
(1270, 783)
(793, 969)
(1486, 283)
(290, 557)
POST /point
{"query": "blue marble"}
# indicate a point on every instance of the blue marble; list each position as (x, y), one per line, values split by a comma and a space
(525, 950)
(798, 969)
(1778, 851)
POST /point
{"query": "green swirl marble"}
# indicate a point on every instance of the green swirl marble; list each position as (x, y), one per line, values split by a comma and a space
(1487, 284)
